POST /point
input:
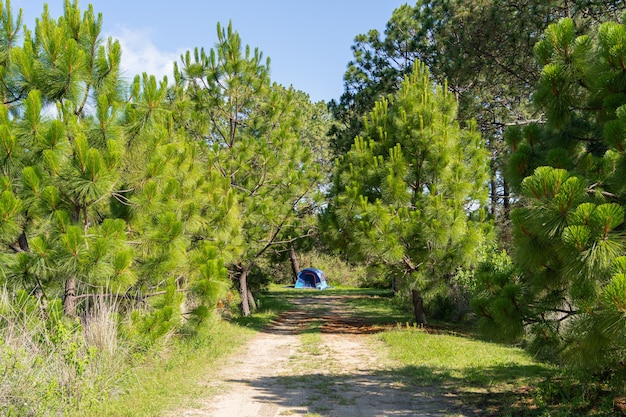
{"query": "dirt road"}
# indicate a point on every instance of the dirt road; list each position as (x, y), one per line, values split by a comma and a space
(318, 360)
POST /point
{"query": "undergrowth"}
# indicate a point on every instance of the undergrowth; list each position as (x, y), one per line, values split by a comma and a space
(52, 366)
(98, 364)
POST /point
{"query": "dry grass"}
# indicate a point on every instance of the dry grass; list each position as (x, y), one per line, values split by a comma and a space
(48, 367)
(100, 325)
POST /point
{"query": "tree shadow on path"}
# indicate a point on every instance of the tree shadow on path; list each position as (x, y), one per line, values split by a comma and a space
(332, 313)
(403, 391)
(328, 391)
(350, 395)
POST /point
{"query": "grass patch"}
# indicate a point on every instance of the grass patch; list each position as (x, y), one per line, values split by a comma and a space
(311, 339)
(271, 305)
(495, 379)
(462, 362)
(310, 355)
(171, 379)
(287, 292)
(378, 308)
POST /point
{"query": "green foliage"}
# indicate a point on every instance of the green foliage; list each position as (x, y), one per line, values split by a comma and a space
(100, 192)
(61, 181)
(450, 301)
(252, 132)
(10, 207)
(408, 194)
(486, 52)
(494, 293)
(64, 335)
(568, 228)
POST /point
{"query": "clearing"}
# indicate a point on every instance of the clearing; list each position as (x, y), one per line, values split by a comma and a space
(319, 359)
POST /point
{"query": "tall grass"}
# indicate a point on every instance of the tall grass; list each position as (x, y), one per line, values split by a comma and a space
(176, 376)
(100, 325)
(102, 364)
(49, 365)
(24, 372)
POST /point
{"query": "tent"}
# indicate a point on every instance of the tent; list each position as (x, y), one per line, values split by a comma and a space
(311, 278)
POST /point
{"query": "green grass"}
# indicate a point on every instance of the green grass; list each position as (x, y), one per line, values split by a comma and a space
(484, 376)
(462, 362)
(379, 308)
(496, 379)
(286, 292)
(310, 349)
(173, 378)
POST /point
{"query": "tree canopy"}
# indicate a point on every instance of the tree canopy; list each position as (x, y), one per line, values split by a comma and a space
(252, 129)
(568, 228)
(408, 194)
(101, 195)
(482, 49)
(148, 187)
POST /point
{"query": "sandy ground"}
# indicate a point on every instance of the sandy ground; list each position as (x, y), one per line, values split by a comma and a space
(289, 371)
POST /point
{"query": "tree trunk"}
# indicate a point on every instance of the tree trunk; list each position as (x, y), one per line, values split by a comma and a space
(295, 264)
(243, 290)
(69, 301)
(494, 196)
(507, 199)
(251, 301)
(418, 307)
(22, 240)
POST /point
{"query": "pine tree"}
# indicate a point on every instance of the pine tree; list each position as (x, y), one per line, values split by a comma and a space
(251, 128)
(102, 193)
(483, 48)
(409, 192)
(303, 235)
(180, 212)
(59, 167)
(568, 291)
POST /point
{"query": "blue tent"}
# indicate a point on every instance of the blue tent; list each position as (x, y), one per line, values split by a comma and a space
(311, 278)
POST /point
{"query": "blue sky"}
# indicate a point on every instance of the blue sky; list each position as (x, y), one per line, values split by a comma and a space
(308, 41)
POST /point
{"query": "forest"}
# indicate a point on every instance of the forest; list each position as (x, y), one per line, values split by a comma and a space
(475, 164)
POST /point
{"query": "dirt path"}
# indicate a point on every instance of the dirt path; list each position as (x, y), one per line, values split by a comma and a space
(318, 360)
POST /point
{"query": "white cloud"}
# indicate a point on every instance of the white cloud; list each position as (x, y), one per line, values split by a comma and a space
(140, 54)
